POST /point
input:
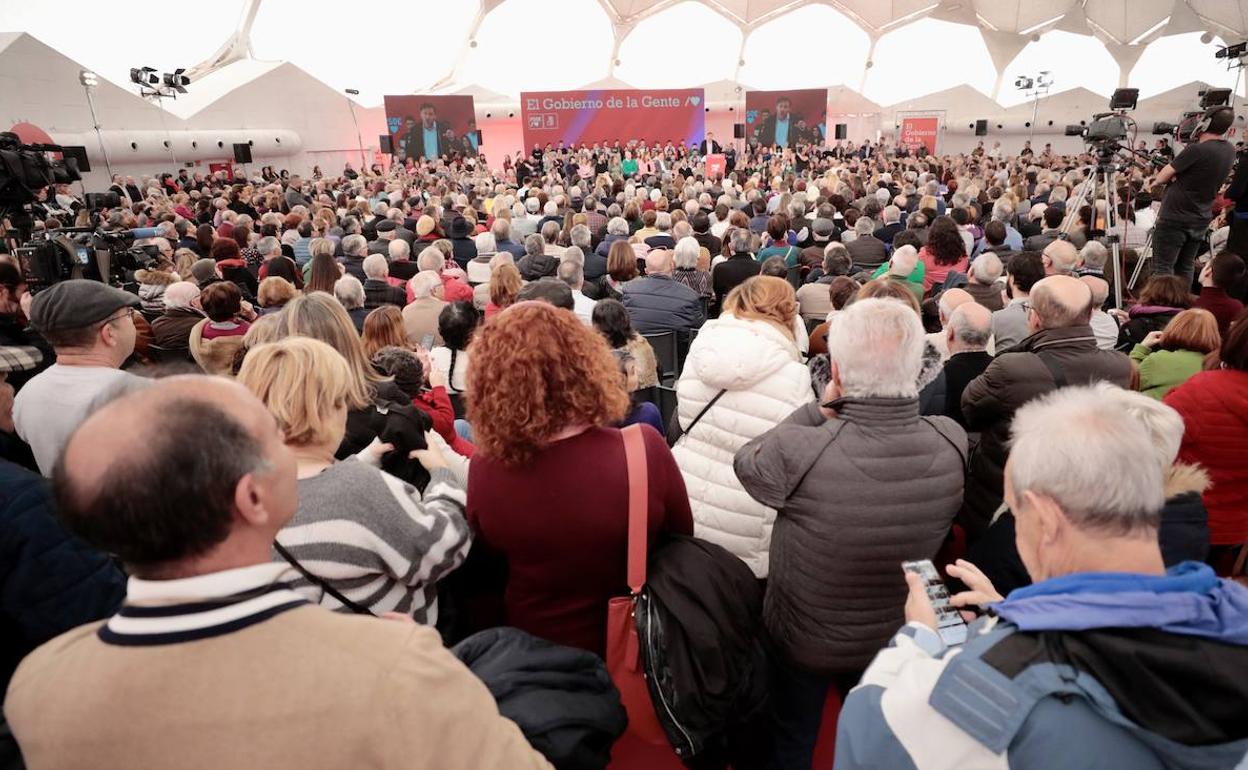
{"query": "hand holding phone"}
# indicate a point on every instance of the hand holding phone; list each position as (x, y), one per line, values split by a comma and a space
(944, 618)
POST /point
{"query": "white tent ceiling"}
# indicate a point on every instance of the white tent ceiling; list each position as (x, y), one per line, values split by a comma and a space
(230, 42)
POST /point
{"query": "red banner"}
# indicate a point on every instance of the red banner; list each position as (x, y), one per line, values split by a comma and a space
(920, 131)
(653, 116)
(716, 166)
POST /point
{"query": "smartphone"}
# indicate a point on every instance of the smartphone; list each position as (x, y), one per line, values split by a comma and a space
(949, 623)
(426, 342)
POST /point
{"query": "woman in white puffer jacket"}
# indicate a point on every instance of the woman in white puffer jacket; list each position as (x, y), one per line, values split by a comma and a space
(749, 353)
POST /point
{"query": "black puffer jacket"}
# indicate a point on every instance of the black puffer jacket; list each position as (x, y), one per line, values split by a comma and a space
(699, 620)
(561, 698)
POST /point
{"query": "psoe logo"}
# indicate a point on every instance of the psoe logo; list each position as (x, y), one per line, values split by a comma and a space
(694, 100)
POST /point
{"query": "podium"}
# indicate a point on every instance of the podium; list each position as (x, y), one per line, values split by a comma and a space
(716, 166)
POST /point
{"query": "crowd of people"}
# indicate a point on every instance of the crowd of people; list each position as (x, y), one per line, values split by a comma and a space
(255, 498)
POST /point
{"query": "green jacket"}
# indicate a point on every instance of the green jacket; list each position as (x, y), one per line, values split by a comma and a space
(1163, 370)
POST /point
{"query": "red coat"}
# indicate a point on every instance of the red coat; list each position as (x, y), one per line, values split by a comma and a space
(1214, 407)
(437, 404)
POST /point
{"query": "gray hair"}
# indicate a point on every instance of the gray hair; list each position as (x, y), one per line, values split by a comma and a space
(375, 266)
(1164, 425)
(535, 245)
(485, 242)
(571, 273)
(742, 239)
(550, 232)
(891, 214)
(836, 259)
(864, 226)
(877, 346)
(1094, 255)
(617, 226)
(268, 245)
(354, 245)
(581, 236)
(687, 252)
(987, 268)
(424, 283)
(967, 330)
(1097, 478)
(399, 250)
(574, 254)
(350, 292)
(431, 258)
(501, 230)
(663, 221)
(1002, 210)
(324, 247)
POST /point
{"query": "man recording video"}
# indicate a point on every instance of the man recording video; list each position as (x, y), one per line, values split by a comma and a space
(1193, 179)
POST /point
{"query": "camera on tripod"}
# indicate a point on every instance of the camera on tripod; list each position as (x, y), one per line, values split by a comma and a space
(1108, 129)
(81, 252)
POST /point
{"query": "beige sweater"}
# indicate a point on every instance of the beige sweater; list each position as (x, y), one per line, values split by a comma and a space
(305, 689)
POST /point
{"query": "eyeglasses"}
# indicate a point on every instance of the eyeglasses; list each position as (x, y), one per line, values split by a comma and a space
(126, 312)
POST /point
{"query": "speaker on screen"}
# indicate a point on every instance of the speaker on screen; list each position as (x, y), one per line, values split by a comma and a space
(386, 144)
(738, 130)
(78, 153)
(981, 127)
(242, 152)
(842, 131)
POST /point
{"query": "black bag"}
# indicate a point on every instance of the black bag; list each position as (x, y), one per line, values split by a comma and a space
(699, 620)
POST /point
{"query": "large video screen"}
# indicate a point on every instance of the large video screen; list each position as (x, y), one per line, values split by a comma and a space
(786, 118)
(432, 126)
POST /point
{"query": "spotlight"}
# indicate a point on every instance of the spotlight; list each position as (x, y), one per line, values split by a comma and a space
(88, 79)
(1125, 98)
(353, 91)
(1231, 51)
(176, 80)
(144, 76)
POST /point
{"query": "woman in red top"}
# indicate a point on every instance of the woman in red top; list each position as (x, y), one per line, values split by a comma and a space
(1214, 407)
(548, 486)
(945, 252)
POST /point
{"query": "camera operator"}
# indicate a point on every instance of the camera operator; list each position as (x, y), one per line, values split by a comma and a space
(14, 306)
(1193, 179)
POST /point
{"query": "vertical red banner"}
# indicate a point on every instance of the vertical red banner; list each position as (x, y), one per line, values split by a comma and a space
(920, 131)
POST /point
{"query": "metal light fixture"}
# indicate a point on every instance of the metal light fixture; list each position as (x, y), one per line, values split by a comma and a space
(89, 81)
(1034, 86)
(358, 137)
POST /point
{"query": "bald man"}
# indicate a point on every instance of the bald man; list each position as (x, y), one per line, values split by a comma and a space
(1060, 258)
(213, 660)
(1103, 324)
(657, 303)
(1061, 350)
(966, 334)
(950, 301)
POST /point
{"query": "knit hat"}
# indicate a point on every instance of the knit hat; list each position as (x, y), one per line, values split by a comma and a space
(424, 225)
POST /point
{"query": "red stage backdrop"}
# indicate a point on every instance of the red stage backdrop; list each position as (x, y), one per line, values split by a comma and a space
(451, 117)
(916, 131)
(573, 117)
(808, 115)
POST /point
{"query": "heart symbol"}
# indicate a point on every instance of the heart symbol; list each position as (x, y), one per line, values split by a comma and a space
(695, 100)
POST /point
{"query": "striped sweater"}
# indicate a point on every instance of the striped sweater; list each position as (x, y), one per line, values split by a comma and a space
(374, 539)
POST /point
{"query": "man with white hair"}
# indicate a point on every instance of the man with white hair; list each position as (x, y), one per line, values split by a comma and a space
(983, 277)
(685, 257)
(860, 484)
(663, 238)
(1060, 258)
(377, 290)
(503, 232)
(967, 330)
(454, 289)
(350, 293)
(550, 241)
(536, 262)
(1092, 259)
(1060, 351)
(867, 251)
(573, 275)
(949, 301)
(1108, 660)
(172, 330)
(401, 265)
(1104, 326)
(420, 316)
(524, 219)
(891, 216)
(354, 250)
(656, 303)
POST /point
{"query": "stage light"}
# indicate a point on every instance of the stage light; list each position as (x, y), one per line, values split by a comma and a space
(176, 80)
(88, 79)
(144, 76)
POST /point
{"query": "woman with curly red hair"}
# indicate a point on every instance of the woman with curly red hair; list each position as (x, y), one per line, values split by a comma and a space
(548, 486)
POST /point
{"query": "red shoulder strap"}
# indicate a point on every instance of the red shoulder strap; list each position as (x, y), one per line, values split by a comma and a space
(638, 505)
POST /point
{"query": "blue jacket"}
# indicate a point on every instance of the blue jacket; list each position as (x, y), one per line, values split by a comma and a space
(658, 304)
(1095, 670)
(50, 581)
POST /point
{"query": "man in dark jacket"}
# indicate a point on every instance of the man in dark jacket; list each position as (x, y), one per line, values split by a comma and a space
(354, 250)
(386, 232)
(1051, 232)
(377, 290)
(859, 486)
(50, 582)
(867, 251)
(536, 263)
(464, 248)
(732, 272)
(967, 332)
(657, 303)
(702, 234)
(1061, 351)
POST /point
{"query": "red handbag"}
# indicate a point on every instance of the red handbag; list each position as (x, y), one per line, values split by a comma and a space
(623, 647)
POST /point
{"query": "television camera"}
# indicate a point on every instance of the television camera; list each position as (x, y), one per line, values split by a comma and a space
(84, 252)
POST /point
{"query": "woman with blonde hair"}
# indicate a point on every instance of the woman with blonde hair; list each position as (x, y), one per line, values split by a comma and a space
(274, 293)
(543, 393)
(743, 375)
(322, 317)
(505, 284)
(383, 327)
(1168, 358)
(359, 534)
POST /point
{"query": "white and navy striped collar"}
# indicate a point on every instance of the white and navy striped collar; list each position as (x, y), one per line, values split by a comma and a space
(201, 607)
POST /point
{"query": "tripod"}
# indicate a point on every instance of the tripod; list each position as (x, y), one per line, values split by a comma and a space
(1103, 177)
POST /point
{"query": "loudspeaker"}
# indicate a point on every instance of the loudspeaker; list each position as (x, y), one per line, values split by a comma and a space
(242, 152)
(842, 131)
(78, 153)
(981, 128)
(386, 142)
(738, 130)
(480, 139)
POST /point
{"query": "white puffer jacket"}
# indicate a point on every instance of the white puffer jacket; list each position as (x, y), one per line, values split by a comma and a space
(765, 379)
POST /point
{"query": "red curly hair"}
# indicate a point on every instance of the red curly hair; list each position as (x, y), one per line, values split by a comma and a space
(535, 370)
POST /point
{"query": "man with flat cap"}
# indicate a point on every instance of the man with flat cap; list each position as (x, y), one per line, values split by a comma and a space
(90, 325)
